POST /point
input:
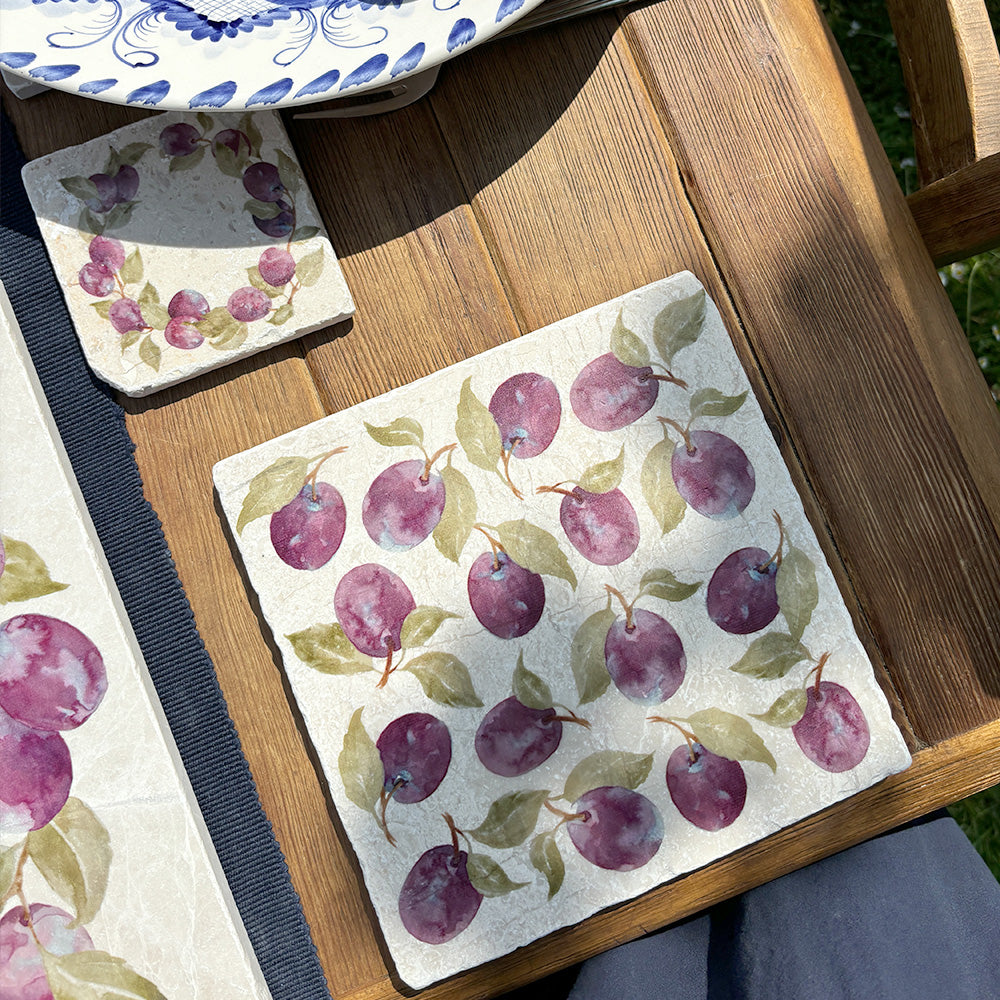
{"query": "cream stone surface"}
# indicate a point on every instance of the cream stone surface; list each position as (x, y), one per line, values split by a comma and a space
(293, 601)
(167, 911)
(189, 225)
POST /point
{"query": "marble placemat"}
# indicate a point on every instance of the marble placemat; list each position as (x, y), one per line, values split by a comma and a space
(104, 858)
(184, 242)
(558, 626)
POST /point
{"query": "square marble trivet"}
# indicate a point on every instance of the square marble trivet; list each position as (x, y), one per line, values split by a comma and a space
(101, 839)
(558, 626)
(184, 242)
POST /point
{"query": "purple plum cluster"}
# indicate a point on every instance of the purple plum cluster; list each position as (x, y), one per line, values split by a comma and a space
(52, 678)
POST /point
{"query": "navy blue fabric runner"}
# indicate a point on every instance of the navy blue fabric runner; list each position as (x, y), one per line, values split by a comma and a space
(92, 426)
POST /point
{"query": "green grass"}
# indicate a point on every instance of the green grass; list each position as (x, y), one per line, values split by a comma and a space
(865, 37)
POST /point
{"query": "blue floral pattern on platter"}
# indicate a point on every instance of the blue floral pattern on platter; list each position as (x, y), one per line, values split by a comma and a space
(197, 54)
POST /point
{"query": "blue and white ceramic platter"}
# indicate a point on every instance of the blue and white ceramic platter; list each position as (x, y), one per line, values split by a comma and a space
(230, 55)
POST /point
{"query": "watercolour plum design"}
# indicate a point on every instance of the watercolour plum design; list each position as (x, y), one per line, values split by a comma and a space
(615, 820)
(52, 679)
(116, 278)
(406, 501)
(415, 750)
(22, 933)
(742, 594)
(616, 828)
(598, 519)
(521, 732)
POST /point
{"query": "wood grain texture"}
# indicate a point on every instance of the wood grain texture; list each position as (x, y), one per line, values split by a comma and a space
(959, 215)
(544, 175)
(834, 330)
(952, 71)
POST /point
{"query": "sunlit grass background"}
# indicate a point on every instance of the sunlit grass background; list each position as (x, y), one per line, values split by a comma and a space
(865, 37)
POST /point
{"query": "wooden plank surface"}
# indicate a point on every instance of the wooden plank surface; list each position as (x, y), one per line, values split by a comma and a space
(546, 174)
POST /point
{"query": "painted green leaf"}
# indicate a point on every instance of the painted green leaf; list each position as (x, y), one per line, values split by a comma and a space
(89, 223)
(488, 878)
(511, 819)
(148, 296)
(102, 308)
(272, 488)
(628, 348)
(712, 403)
(227, 161)
(310, 267)
(95, 975)
(770, 656)
(797, 589)
(535, 549)
(205, 121)
(587, 656)
(262, 209)
(602, 477)
(545, 857)
(248, 126)
(459, 514)
(187, 162)
(130, 339)
(221, 330)
(729, 736)
(80, 187)
(9, 859)
(253, 276)
(325, 648)
(476, 430)
(403, 432)
(786, 709)
(658, 487)
(360, 765)
(445, 679)
(156, 316)
(678, 325)
(73, 854)
(289, 172)
(304, 233)
(607, 767)
(131, 154)
(132, 270)
(421, 623)
(119, 215)
(282, 314)
(149, 353)
(529, 688)
(25, 575)
(663, 584)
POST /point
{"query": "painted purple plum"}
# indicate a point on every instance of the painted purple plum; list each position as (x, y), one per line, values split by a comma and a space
(182, 332)
(37, 774)
(248, 304)
(708, 790)
(742, 596)
(96, 279)
(507, 599)
(513, 739)
(602, 527)
(306, 533)
(616, 828)
(527, 411)
(263, 182)
(645, 658)
(415, 751)
(235, 140)
(438, 900)
(371, 603)
(187, 302)
(179, 139)
(608, 395)
(107, 193)
(52, 676)
(713, 474)
(833, 731)
(22, 970)
(126, 315)
(107, 251)
(276, 266)
(126, 183)
(403, 505)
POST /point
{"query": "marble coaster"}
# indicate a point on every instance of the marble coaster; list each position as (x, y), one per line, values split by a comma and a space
(184, 242)
(558, 626)
(104, 857)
